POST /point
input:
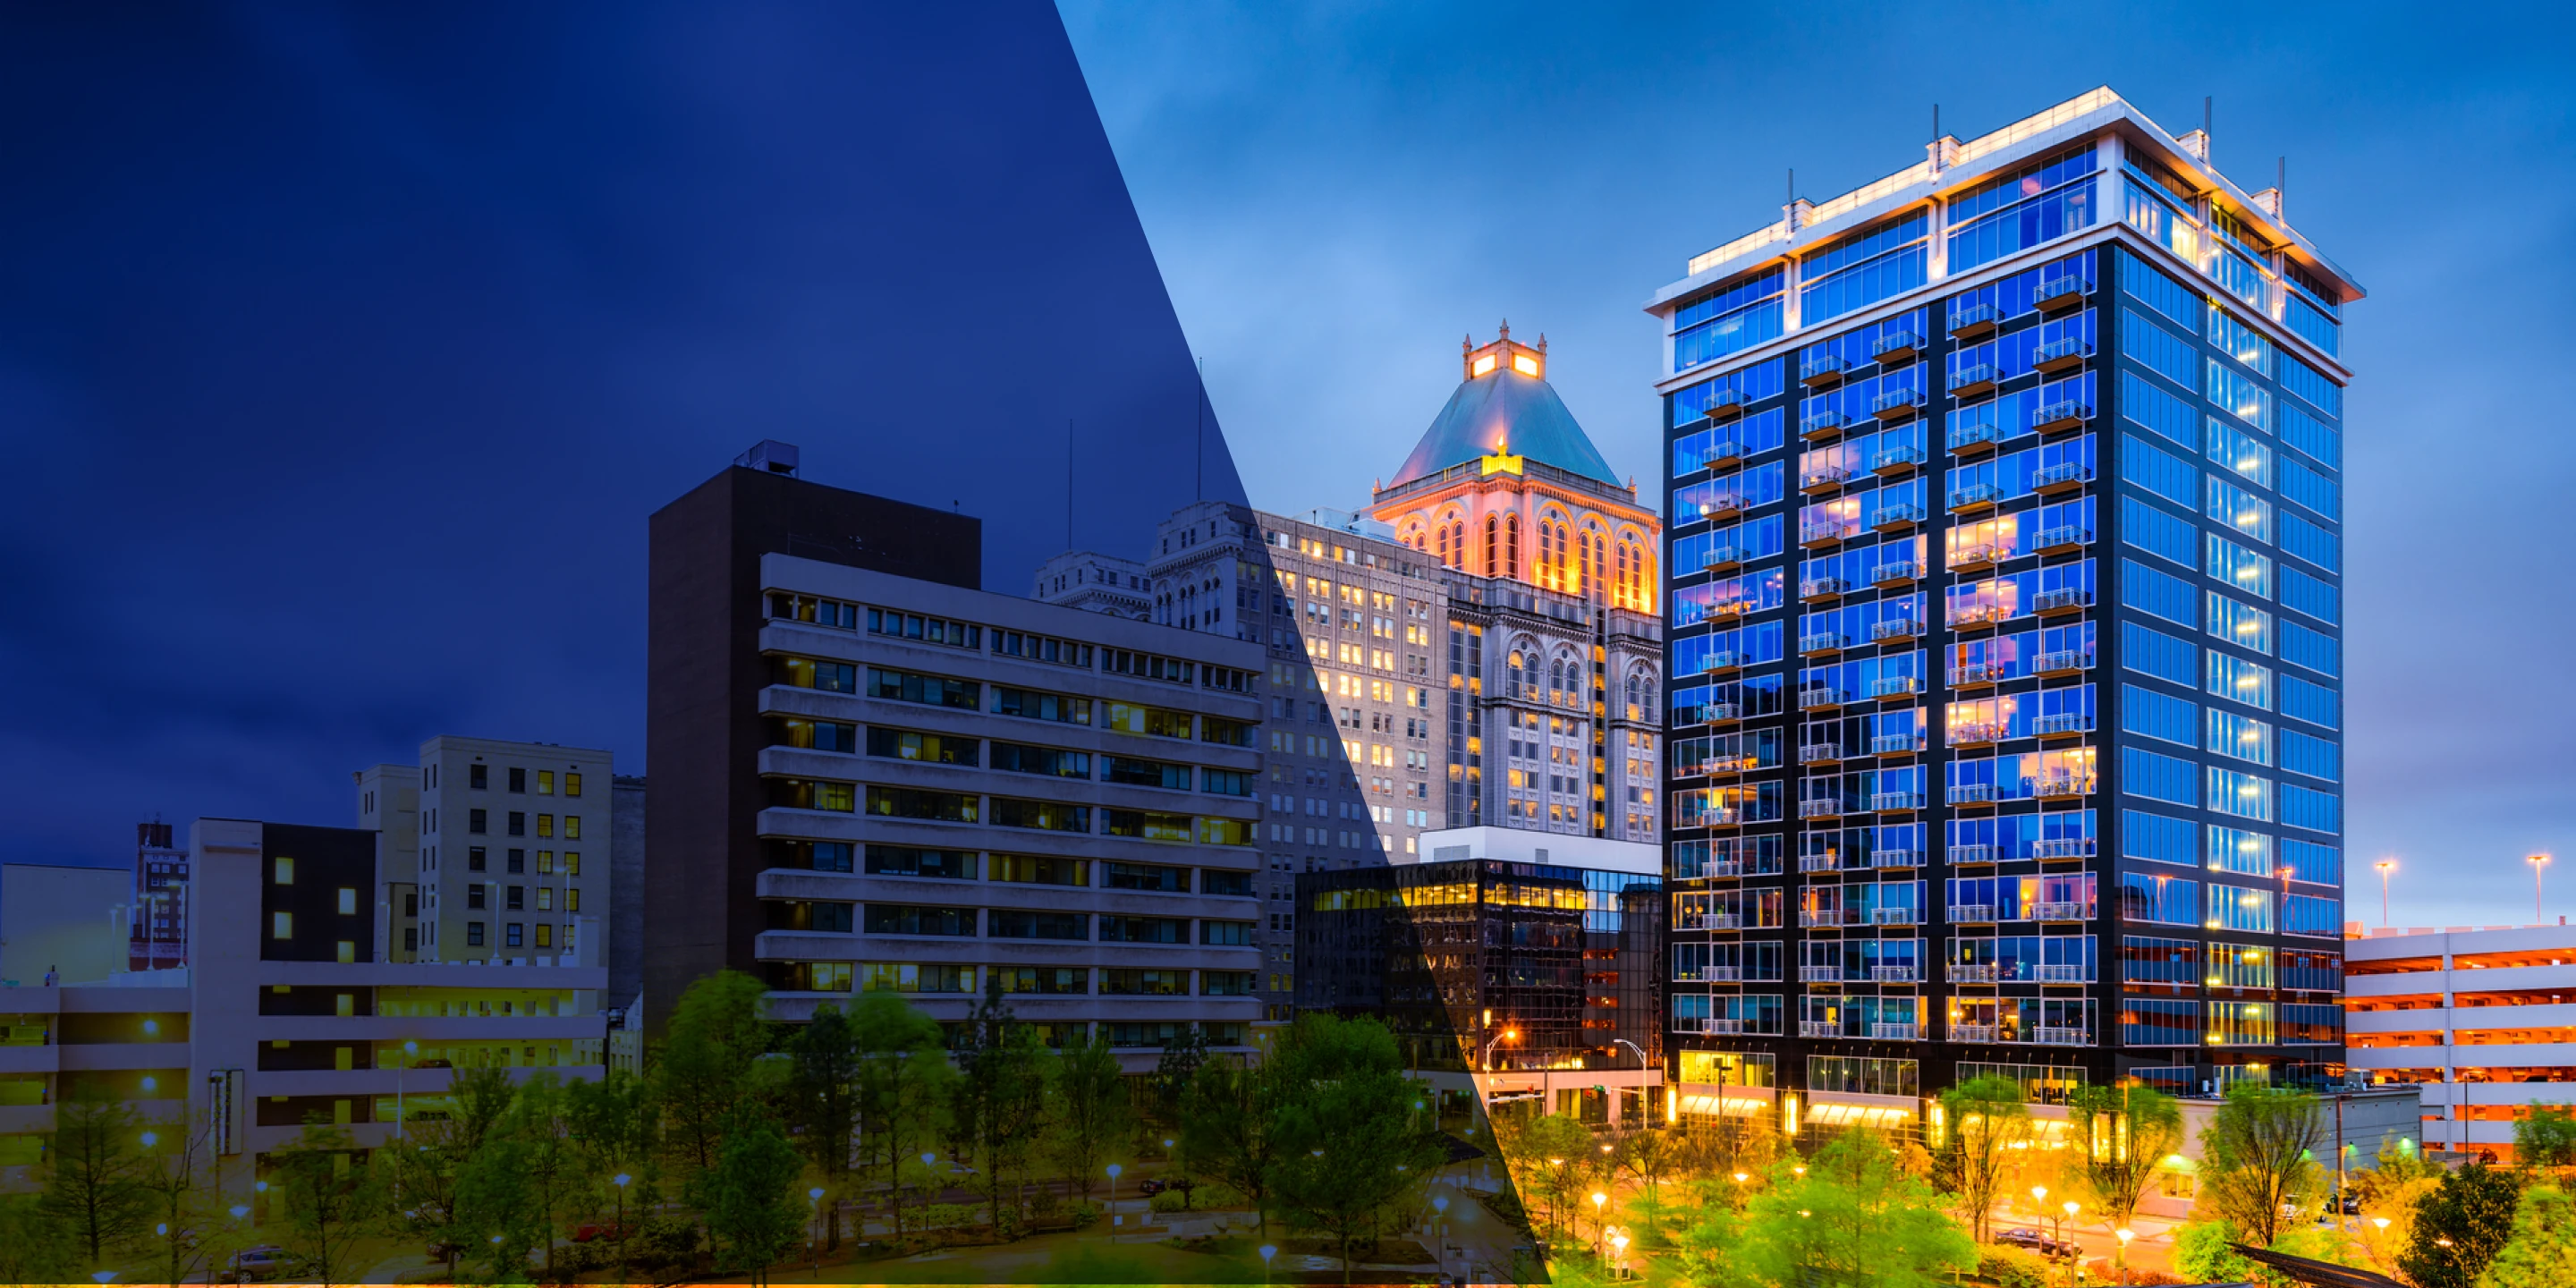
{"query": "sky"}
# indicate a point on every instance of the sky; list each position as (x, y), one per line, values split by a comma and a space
(343, 351)
(1337, 192)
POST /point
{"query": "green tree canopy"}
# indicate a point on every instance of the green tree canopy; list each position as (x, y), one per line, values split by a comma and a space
(1853, 1219)
(2459, 1227)
(705, 1068)
(1350, 1143)
(2258, 1159)
(1986, 1122)
(95, 1187)
(2541, 1253)
(2122, 1135)
(753, 1208)
(2547, 1138)
(1226, 1127)
(1087, 1111)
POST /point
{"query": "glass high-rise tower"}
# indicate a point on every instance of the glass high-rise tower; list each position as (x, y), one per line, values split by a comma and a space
(2004, 601)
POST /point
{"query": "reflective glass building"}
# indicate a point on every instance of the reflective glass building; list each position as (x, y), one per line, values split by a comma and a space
(2004, 612)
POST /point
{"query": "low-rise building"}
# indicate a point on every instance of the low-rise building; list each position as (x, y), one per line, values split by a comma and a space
(2482, 1020)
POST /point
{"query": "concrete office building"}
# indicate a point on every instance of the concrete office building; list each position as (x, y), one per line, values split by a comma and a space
(1100, 583)
(289, 1010)
(160, 900)
(928, 788)
(496, 849)
(62, 919)
(2005, 599)
(2482, 1020)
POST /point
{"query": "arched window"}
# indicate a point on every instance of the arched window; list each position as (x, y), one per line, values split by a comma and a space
(1493, 540)
(1512, 675)
(1512, 545)
(1458, 542)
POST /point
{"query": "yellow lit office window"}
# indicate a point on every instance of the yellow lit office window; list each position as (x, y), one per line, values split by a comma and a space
(572, 784)
(281, 925)
(285, 870)
(572, 863)
(545, 824)
(545, 782)
(572, 827)
(348, 950)
(545, 935)
(572, 899)
(545, 862)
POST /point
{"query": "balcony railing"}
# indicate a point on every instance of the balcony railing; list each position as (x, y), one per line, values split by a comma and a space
(1820, 1028)
(1894, 917)
(1962, 735)
(1973, 320)
(2063, 662)
(1972, 914)
(1814, 918)
(2065, 476)
(1820, 809)
(1974, 438)
(2063, 723)
(1900, 858)
(1726, 660)
(1897, 1032)
(1818, 863)
(1979, 852)
(2064, 847)
(1975, 496)
(1972, 1033)
(1811, 699)
(2062, 974)
(1890, 802)
(1971, 973)
(1900, 515)
(1822, 534)
(1896, 346)
(1896, 460)
(1817, 753)
(1730, 608)
(1722, 558)
(1895, 628)
(1820, 370)
(1820, 974)
(1822, 478)
(1723, 454)
(2060, 786)
(2060, 910)
(1972, 673)
(2062, 415)
(2062, 601)
(1823, 424)
(2062, 292)
(1714, 712)
(1893, 975)
(2045, 1035)
(1721, 921)
(1976, 557)
(2062, 355)
(1894, 686)
(1969, 793)
(1722, 974)
(1895, 744)
(1721, 1025)
(1723, 868)
(2062, 538)
(1896, 572)
(1896, 404)
(1724, 505)
(1822, 588)
(1725, 404)
(1969, 382)
(1820, 642)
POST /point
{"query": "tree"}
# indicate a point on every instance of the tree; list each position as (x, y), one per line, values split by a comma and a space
(2122, 1135)
(1351, 1144)
(1226, 1128)
(1180, 1063)
(706, 1064)
(752, 1208)
(426, 1164)
(1988, 1122)
(2547, 1138)
(823, 1103)
(1648, 1156)
(1544, 1156)
(1852, 1219)
(2206, 1251)
(2258, 1159)
(1086, 1111)
(903, 1092)
(95, 1187)
(332, 1197)
(998, 1102)
(2459, 1227)
(2542, 1250)
(499, 1221)
(34, 1246)
(616, 1127)
(182, 1209)
(558, 1182)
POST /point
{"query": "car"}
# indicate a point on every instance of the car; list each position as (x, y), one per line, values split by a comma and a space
(432, 1063)
(2026, 1237)
(1152, 1187)
(608, 1230)
(262, 1261)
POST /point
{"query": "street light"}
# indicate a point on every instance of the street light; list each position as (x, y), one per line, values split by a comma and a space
(2385, 867)
(2537, 862)
(2125, 1234)
(1507, 1035)
(1440, 1251)
(1267, 1252)
(1599, 1235)
(1114, 1218)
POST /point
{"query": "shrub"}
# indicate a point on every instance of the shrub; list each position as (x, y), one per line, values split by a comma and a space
(1084, 1215)
(944, 1216)
(1168, 1201)
(2012, 1267)
(665, 1241)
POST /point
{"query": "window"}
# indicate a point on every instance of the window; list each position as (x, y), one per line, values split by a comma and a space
(2160, 655)
(2241, 342)
(474, 858)
(572, 903)
(2311, 489)
(2315, 757)
(1215, 882)
(517, 861)
(1149, 825)
(899, 802)
(1048, 816)
(518, 823)
(1735, 318)
(2239, 908)
(2240, 623)
(1054, 762)
(2157, 838)
(1226, 934)
(2314, 810)
(2234, 677)
(515, 898)
(1158, 722)
(545, 782)
(910, 861)
(2313, 385)
(1145, 773)
(2157, 715)
(2239, 567)
(909, 626)
(572, 783)
(478, 777)
(1010, 924)
(572, 863)
(1144, 930)
(2040, 201)
(2314, 703)
(2158, 777)
(2239, 737)
(545, 898)
(545, 863)
(284, 871)
(545, 825)
(474, 895)
(907, 686)
(2310, 542)
(2171, 901)
(2239, 851)
(2158, 471)
(519, 781)
(907, 919)
(2239, 509)
(1031, 870)
(1866, 267)
(2161, 351)
(474, 819)
(2240, 451)
(2158, 533)
(2317, 598)
(513, 935)
(2242, 795)
(2311, 435)
(348, 902)
(1030, 704)
(545, 935)
(1147, 876)
(281, 925)
(2161, 293)
(2149, 591)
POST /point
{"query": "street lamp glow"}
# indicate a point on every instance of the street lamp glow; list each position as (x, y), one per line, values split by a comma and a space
(622, 1179)
(1440, 1204)
(815, 1194)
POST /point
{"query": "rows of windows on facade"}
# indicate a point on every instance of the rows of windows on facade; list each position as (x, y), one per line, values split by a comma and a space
(1493, 608)
(2096, 740)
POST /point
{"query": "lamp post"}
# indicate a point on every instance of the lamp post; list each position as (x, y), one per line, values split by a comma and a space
(622, 1179)
(2125, 1234)
(1507, 1035)
(1600, 1236)
(1267, 1252)
(2385, 867)
(1440, 1250)
(1114, 1218)
(2537, 862)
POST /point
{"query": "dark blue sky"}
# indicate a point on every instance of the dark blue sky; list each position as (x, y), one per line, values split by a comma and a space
(343, 352)
(1335, 192)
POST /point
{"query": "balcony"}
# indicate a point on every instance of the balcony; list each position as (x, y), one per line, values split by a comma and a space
(1818, 863)
(1821, 370)
(1894, 917)
(1973, 1032)
(1975, 496)
(1820, 753)
(1818, 589)
(1894, 686)
(1820, 642)
(1823, 478)
(2062, 355)
(1897, 1032)
(1968, 793)
(1895, 628)
(2066, 974)
(1974, 440)
(1895, 744)
(1975, 673)
(1720, 712)
(1896, 460)
(2065, 538)
(1896, 404)
(1894, 975)
(1889, 518)
(2063, 662)
(2049, 602)
(1819, 697)
(1971, 973)
(2047, 1036)
(2058, 787)
(1721, 921)
(1717, 1025)
(1725, 404)
(1895, 347)
(2060, 416)
(1724, 505)
(1723, 868)
(2060, 911)
(1973, 382)
(1814, 535)
(1724, 660)
(1730, 608)
(1722, 559)
(1726, 453)
(2062, 724)
(1978, 735)
(1960, 615)
(2071, 847)
(1820, 918)
(1896, 858)
(1827, 808)
(1722, 974)
(1896, 572)
(1895, 802)
(1972, 914)
(1973, 321)
(1820, 1029)
(2065, 476)
(2058, 294)
(1822, 424)
(1820, 974)
(1971, 558)
(1972, 854)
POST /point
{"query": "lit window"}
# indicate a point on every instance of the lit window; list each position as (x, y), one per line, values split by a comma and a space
(348, 902)
(545, 782)
(348, 950)
(285, 871)
(281, 925)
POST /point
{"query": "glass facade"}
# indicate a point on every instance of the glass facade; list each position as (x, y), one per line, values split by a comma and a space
(2005, 644)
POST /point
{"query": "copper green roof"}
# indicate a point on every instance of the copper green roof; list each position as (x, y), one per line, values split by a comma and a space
(1504, 412)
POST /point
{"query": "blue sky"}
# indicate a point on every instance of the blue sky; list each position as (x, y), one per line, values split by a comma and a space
(1335, 193)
